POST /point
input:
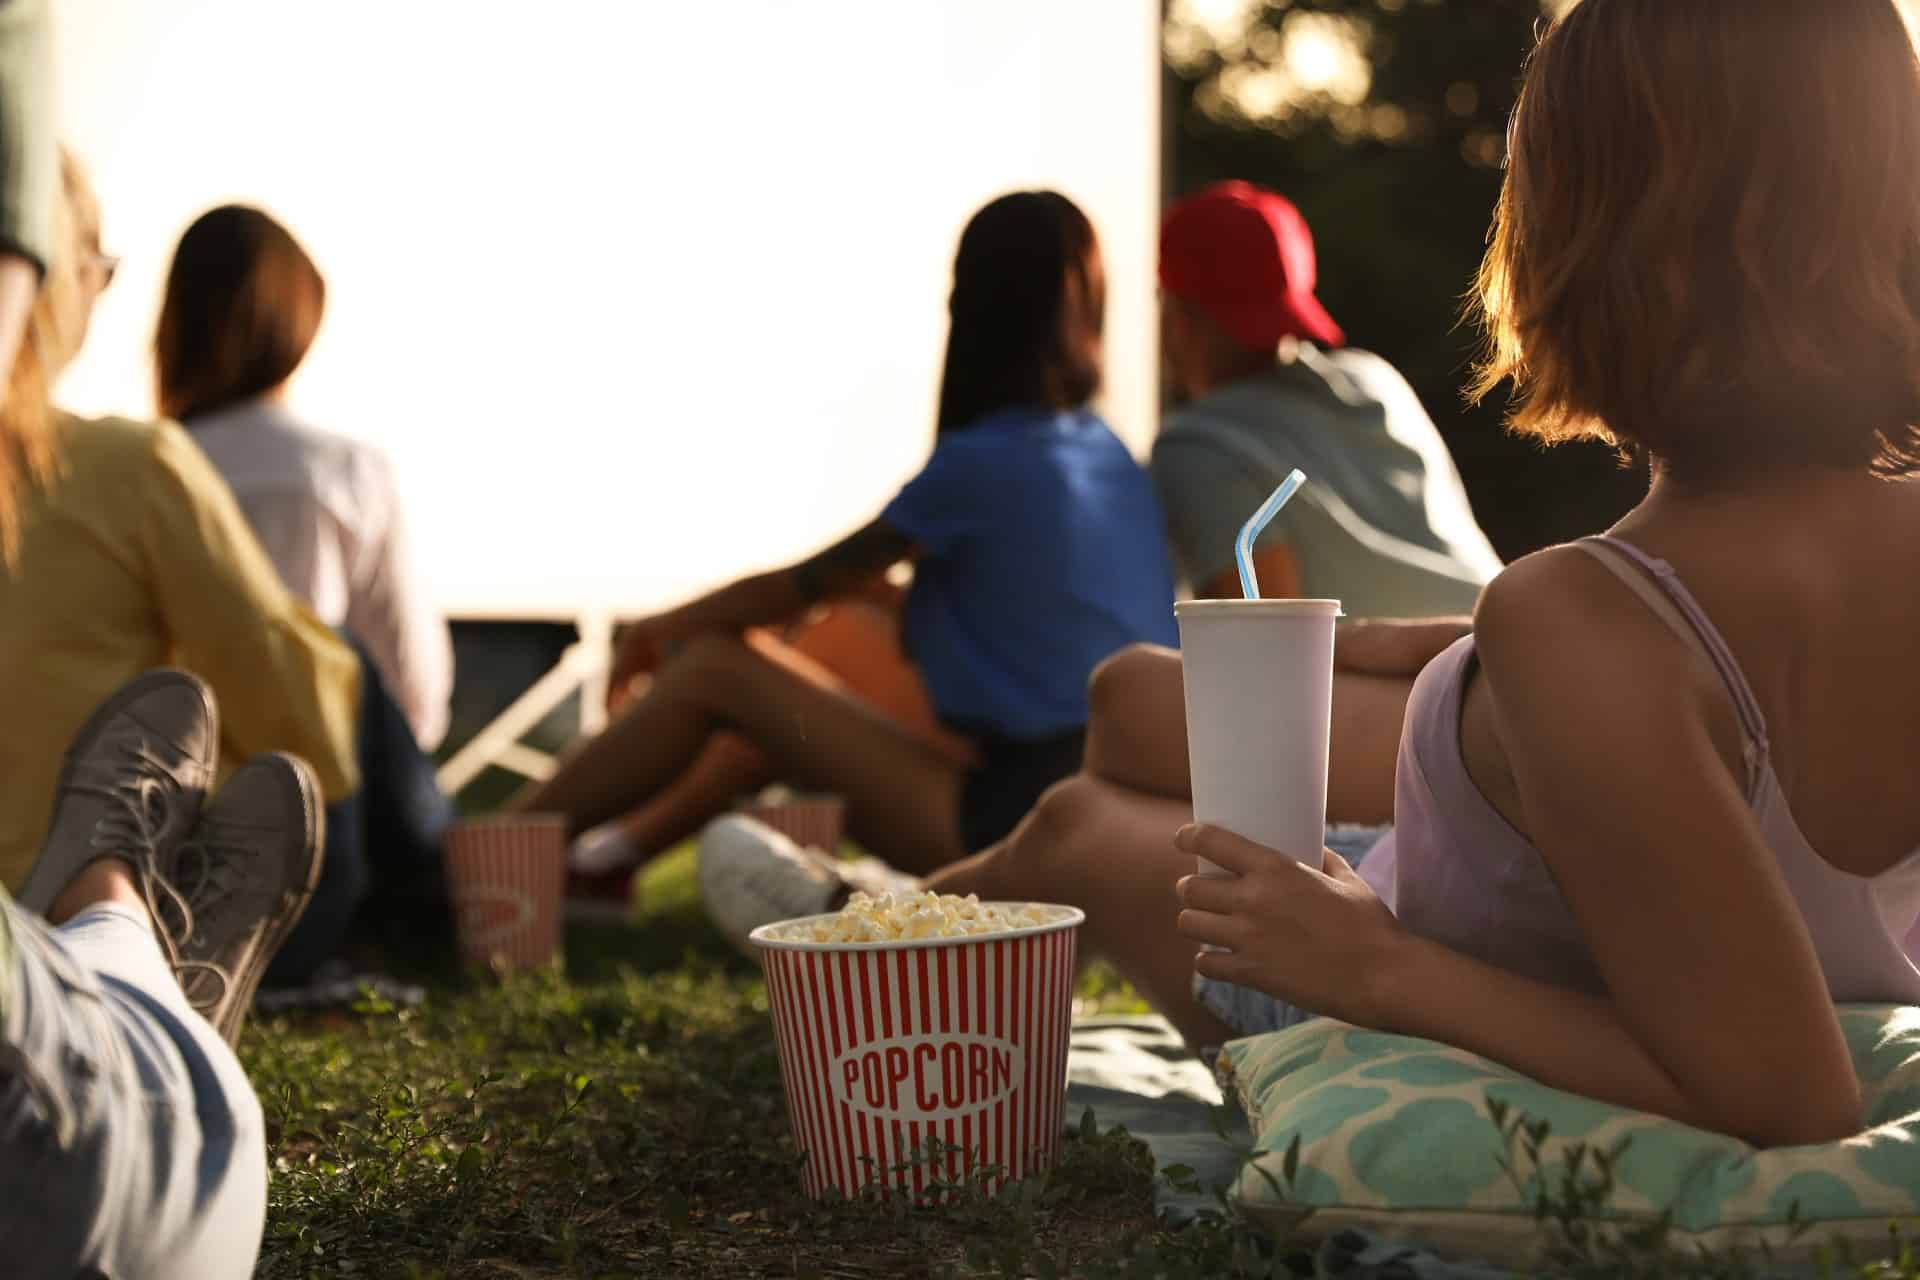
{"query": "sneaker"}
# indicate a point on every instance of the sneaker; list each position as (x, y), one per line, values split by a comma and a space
(602, 867)
(752, 875)
(132, 786)
(241, 878)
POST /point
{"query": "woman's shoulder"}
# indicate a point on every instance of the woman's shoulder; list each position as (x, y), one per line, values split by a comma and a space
(1562, 611)
(114, 439)
(1561, 587)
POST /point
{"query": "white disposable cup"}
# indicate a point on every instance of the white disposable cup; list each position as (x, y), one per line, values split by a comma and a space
(1259, 687)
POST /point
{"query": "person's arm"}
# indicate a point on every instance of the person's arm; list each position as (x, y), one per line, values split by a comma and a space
(764, 598)
(284, 680)
(386, 611)
(1394, 647)
(1715, 1013)
(19, 286)
(29, 170)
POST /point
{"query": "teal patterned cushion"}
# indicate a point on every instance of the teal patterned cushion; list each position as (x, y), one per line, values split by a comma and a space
(1395, 1136)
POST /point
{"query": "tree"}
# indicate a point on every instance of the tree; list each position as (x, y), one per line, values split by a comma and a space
(1385, 121)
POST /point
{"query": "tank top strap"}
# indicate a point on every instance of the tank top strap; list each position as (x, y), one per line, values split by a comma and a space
(1699, 631)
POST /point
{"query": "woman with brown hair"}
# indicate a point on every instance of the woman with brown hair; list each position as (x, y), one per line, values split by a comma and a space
(143, 909)
(1038, 547)
(243, 304)
(1654, 815)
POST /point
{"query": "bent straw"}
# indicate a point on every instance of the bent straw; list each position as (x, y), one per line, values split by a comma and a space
(1252, 529)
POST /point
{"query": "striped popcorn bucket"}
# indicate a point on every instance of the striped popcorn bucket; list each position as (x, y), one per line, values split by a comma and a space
(915, 1066)
(506, 876)
(810, 821)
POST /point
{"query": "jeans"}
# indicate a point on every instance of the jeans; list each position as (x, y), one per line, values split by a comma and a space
(131, 1144)
(384, 840)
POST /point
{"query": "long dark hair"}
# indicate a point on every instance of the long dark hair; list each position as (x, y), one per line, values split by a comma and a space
(1028, 302)
(242, 305)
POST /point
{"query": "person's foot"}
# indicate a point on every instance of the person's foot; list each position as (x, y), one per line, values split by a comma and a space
(752, 875)
(601, 869)
(132, 786)
(242, 877)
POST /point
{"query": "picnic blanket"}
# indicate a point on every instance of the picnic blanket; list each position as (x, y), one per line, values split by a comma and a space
(1137, 1073)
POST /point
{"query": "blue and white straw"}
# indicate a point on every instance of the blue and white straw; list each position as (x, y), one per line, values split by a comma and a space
(1252, 529)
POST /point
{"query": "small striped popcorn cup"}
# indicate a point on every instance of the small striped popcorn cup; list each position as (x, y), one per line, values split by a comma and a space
(912, 1067)
(506, 875)
(810, 821)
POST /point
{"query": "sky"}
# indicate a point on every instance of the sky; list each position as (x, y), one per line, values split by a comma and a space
(638, 296)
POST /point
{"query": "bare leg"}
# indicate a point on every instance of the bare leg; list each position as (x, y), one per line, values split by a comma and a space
(105, 880)
(1137, 723)
(1108, 851)
(854, 648)
(900, 792)
(726, 769)
(1137, 737)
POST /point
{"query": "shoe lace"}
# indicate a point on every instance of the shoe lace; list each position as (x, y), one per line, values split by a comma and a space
(140, 790)
(210, 868)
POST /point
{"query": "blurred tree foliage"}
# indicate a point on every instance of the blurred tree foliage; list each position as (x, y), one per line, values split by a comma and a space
(1385, 121)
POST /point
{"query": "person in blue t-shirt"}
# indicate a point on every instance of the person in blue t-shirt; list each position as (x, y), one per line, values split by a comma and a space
(1038, 549)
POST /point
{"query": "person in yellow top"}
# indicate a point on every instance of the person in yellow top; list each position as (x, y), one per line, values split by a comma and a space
(133, 554)
(131, 1143)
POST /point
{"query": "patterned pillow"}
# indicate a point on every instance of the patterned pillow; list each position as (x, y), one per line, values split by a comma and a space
(1395, 1136)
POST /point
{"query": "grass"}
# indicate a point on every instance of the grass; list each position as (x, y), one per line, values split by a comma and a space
(627, 1120)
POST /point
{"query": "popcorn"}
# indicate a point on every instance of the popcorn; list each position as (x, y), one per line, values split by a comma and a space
(913, 917)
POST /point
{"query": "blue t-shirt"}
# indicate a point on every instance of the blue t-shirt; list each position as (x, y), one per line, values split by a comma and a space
(1045, 552)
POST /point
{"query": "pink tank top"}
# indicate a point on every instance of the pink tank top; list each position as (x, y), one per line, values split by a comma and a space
(1455, 871)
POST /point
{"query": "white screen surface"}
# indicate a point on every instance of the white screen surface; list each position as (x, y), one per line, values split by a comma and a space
(637, 295)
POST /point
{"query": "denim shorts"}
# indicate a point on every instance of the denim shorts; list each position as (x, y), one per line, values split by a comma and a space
(1250, 1012)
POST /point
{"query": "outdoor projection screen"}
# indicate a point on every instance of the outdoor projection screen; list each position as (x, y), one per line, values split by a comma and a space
(637, 294)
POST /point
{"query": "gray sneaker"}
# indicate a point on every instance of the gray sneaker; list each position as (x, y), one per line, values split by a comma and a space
(241, 878)
(132, 786)
(752, 875)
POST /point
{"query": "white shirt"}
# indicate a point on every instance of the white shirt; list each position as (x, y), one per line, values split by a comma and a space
(327, 511)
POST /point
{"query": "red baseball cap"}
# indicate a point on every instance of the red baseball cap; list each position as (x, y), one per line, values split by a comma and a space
(1244, 257)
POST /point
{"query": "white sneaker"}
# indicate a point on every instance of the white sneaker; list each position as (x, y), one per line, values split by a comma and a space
(752, 875)
(603, 849)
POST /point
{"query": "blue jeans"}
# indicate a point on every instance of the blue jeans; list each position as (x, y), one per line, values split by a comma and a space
(131, 1144)
(1250, 1012)
(384, 840)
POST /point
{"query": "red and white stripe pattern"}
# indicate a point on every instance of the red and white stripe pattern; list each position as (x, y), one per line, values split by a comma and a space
(506, 876)
(884, 1047)
(812, 822)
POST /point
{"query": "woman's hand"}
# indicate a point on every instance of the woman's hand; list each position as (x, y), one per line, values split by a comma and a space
(640, 649)
(1319, 940)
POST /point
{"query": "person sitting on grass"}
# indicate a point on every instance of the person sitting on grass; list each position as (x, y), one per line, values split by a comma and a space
(1266, 383)
(1650, 824)
(242, 306)
(851, 642)
(134, 1145)
(127, 551)
(1039, 550)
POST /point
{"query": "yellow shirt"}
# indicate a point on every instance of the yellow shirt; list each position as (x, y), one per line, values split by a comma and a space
(137, 556)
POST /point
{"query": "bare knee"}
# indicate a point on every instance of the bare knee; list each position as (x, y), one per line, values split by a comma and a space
(1050, 849)
(1137, 729)
(1136, 673)
(705, 660)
